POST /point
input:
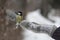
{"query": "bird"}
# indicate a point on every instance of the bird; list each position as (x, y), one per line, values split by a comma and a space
(19, 18)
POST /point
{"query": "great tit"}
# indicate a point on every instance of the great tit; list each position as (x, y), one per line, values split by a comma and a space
(19, 17)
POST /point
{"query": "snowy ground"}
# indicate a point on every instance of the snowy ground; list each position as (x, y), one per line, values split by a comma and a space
(36, 17)
(52, 16)
(29, 35)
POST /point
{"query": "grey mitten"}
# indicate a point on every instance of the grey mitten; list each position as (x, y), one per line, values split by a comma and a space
(38, 28)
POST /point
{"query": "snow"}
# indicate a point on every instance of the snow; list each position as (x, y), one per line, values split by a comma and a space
(54, 18)
(29, 35)
(36, 17)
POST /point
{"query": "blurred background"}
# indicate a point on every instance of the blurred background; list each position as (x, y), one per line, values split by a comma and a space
(45, 11)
